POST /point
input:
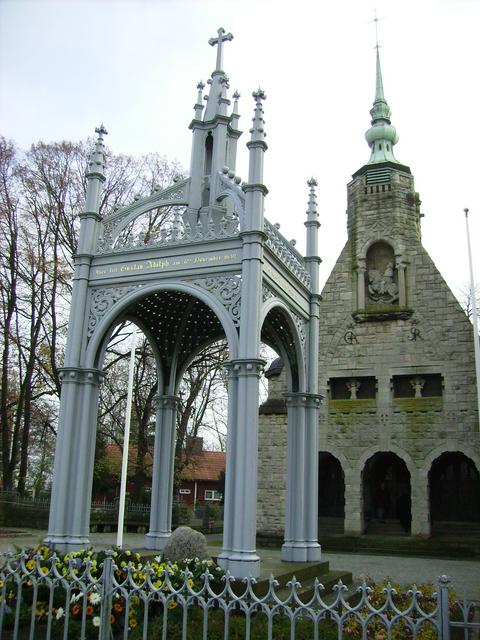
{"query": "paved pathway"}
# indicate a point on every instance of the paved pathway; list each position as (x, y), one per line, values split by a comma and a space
(465, 574)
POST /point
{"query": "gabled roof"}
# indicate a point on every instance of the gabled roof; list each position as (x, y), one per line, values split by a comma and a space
(203, 465)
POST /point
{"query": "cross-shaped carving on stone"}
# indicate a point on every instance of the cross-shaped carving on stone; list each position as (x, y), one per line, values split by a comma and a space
(222, 36)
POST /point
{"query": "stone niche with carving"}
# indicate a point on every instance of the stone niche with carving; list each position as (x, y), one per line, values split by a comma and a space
(381, 276)
(381, 285)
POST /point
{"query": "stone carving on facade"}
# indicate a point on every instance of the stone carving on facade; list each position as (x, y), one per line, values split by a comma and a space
(103, 300)
(417, 383)
(353, 386)
(381, 286)
(228, 290)
(349, 337)
(415, 333)
(383, 228)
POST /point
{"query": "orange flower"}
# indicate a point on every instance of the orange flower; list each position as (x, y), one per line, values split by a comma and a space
(118, 607)
(112, 619)
(89, 610)
(75, 609)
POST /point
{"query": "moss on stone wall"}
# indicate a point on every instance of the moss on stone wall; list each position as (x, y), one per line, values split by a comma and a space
(348, 406)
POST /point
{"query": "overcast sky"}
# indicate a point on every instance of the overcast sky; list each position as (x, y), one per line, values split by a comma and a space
(66, 66)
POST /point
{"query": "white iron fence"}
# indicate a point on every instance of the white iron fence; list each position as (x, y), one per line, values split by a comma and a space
(116, 595)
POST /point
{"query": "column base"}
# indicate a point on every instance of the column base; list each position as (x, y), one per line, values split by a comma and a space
(240, 564)
(66, 543)
(156, 541)
(301, 552)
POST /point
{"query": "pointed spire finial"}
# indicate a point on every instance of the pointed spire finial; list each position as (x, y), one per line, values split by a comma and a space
(101, 131)
(199, 104)
(382, 135)
(312, 199)
(96, 162)
(376, 20)
(219, 40)
(257, 130)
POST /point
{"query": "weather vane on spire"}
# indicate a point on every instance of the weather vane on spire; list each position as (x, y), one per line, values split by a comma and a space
(376, 21)
(222, 36)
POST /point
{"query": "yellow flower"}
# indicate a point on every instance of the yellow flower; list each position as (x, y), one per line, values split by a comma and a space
(133, 624)
(1, 584)
(190, 582)
(44, 570)
(30, 565)
(172, 604)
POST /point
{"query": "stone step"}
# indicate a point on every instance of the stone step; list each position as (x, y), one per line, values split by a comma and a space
(456, 529)
(330, 525)
(387, 528)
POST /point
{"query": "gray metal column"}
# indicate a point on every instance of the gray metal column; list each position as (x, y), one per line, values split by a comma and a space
(163, 468)
(75, 447)
(313, 549)
(239, 554)
(294, 547)
(68, 527)
(228, 520)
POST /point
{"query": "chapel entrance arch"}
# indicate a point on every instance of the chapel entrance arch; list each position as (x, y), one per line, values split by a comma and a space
(454, 487)
(386, 494)
(331, 493)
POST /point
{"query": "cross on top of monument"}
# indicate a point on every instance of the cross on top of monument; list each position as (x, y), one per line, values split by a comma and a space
(376, 20)
(222, 36)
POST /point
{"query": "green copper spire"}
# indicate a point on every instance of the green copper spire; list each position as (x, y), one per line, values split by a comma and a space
(382, 135)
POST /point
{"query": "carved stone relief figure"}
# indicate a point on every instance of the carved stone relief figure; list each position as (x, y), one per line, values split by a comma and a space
(381, 275)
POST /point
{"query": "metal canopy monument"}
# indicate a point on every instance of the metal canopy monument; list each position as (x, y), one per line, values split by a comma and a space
(217, 270)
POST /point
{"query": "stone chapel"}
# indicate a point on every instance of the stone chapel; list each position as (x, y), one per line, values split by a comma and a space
(399, 442)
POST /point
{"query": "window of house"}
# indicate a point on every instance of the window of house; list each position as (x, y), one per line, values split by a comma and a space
(353, 388)
(425, 385)
(212, 494)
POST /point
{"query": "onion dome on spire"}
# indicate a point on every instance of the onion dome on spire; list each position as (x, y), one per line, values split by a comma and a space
(382, 135)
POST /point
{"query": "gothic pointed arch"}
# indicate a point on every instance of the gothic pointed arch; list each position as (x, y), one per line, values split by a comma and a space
(284, 331)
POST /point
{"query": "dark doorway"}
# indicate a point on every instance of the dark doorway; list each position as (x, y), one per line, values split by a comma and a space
(331, 494)
(454, 484)
(386, 495)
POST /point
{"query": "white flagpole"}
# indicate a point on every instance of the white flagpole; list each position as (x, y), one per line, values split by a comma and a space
(126, 441)
(474, 316)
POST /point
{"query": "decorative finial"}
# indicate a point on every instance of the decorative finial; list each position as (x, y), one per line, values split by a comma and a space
(219, 40)
(376, 20)
(312, 199)
(101, 131)
(258, 130)
(259, 95)
(199, 106)
(382, 135)
(96, 161)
